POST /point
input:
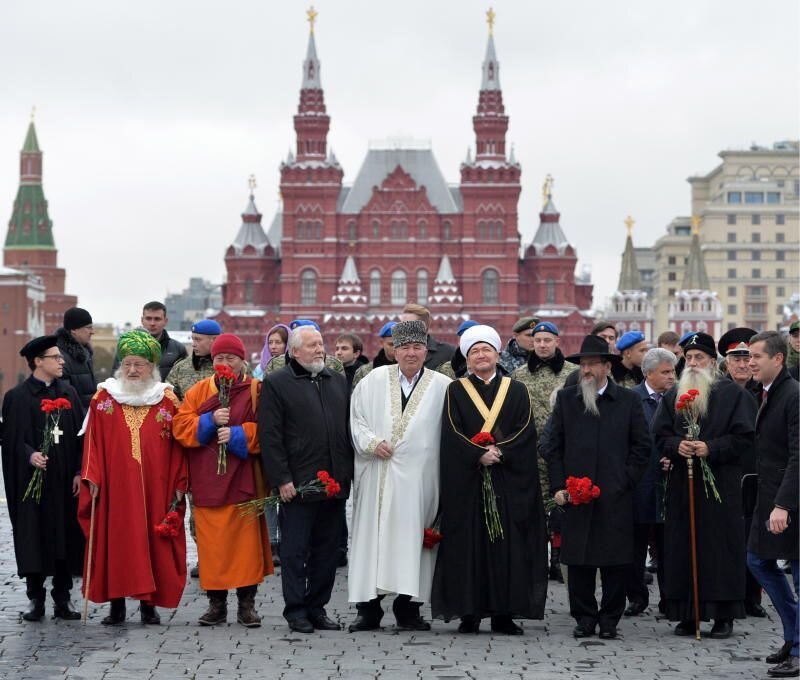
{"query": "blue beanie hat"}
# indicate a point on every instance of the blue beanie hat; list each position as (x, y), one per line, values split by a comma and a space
(629, 339)
(207, 327)
(386, 329)
(545, 327)
(297, 323)
(469, 323)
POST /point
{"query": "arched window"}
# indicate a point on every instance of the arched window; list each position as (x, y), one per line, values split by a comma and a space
(422, 229)
(490, 280)
(351, 231)
(248, 290)
(447, 231)
(376, 229)
(399, 287)
(374, 287)
(422, 287)
(551, 291)
(308, 287)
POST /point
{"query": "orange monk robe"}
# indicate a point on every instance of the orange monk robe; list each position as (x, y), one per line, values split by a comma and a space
(130, 455)
(233, 551)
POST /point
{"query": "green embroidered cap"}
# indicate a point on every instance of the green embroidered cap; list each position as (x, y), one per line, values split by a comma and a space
(139, 344)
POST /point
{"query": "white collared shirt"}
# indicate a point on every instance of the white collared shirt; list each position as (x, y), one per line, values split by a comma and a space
(408, 385)
(602, 389)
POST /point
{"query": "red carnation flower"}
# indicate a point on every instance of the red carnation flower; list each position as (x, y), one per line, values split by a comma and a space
(323, 476)
(483, 439)
(430, 538)
(694, 393)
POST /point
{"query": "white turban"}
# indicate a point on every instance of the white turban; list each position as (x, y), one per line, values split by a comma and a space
(476, 334)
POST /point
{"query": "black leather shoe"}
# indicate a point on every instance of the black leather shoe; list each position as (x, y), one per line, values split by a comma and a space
(581, 631)
(685, 628)
(635, 608)
(149, 615)
(608, 633)
(505, 626)
(786, 669)
(755, 609)
(194, 572)
(117, 613)
(323, 623)
(301, 626)
(35, 611)
(469, 624)
(62, 609)
(781, 655)
(413, 623)
(722, 629)
(363, 623)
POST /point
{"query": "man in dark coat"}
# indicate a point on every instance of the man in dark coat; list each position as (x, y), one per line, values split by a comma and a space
(438, 352)
(74, 340)
(598, 430)
(734, 347)
(477, 576)
(303, 429)
(154, 321)
(47, 538)
(632, 346)
(774, 534)
(658, 369)
(726, 429)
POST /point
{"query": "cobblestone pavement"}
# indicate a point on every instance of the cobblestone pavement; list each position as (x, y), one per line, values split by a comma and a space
(180, 649)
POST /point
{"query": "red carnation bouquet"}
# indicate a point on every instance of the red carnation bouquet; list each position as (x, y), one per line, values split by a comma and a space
(323, 482)
(170, 526)
(686, 404)
(52, 408)
(225, 379)
(491, 514)
(431, 538)
(580, 491)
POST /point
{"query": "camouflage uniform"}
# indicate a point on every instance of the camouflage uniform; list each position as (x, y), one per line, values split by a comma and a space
(188, 372)
(541, 384)
(279, 362)
(447, 369)
(513, 356)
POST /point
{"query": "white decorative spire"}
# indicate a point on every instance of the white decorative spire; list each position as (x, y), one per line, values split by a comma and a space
(349, 292)
(445, 289)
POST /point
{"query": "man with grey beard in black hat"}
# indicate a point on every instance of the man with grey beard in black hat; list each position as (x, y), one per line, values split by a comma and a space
(598, 430)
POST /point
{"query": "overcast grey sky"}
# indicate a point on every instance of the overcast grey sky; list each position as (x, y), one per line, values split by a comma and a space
(153, 114)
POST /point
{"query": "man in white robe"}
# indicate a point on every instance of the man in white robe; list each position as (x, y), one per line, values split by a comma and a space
(395, 420)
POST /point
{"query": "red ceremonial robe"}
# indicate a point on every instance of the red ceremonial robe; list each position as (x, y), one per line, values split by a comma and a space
(129, 453)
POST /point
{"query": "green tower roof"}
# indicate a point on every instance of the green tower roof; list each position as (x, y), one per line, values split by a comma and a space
(31, 142)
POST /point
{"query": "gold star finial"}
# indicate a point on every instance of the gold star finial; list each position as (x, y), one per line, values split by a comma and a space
(547, 189)
(696, 222)
(629, 222)
(312, 15)
(490, 15)
(251, 182)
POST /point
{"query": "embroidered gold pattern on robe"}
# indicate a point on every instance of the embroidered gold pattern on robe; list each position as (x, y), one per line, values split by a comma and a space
(134, 417)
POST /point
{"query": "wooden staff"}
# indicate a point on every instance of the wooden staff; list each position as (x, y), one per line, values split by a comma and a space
(693, 539)
(87, 576)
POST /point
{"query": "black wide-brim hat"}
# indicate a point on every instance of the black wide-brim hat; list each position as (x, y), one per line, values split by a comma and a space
(593, 346)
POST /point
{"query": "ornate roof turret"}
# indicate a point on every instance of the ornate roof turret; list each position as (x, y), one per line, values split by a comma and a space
(349, 291)
(490, 122)
(30, 226)
(251, 233)
(445, 288)
(629, 277)
(696, 276)
(549, 232)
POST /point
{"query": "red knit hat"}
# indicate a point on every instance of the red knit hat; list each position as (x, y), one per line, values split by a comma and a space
(228, 343)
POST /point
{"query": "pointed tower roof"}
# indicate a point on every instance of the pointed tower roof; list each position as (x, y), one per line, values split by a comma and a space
(30, 226)
(311, 76)
(629, 277)
(445, 288)
(696, 276)
(31, 141)
(549, 232)
(491, 67)
(349, 292)
(251, 233)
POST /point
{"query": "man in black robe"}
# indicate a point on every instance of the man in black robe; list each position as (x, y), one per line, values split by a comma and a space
(598, 430)
(726, 436)
(476, 577)
(47, 538)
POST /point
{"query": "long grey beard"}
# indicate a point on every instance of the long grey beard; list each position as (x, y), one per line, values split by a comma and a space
(699, 379)
(137, 386)
(314, 368)
(589, 389)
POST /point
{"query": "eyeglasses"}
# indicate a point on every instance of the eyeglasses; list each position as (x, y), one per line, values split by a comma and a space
(138, 365)
(57, 357)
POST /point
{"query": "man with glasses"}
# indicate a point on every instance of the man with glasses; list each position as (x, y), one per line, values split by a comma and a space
(134, 473)
(597, 430)
(47, 538)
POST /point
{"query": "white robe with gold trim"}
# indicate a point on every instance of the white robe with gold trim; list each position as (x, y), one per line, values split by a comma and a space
(394, 500)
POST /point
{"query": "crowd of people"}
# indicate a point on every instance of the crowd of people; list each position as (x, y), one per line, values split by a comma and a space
(477, 473)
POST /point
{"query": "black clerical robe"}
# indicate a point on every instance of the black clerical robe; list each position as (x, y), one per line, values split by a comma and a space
(46, 532)
(728, 431)
(474, 576)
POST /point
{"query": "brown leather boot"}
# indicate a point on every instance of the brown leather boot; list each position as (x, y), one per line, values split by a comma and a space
(247, 615)
(217, 611)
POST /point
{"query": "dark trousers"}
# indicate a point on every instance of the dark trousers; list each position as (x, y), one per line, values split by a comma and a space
(582, 602)
(310, 534)
(774, 581)
(404, 609)
(635, 586)
(62, 584)
(752, 588)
